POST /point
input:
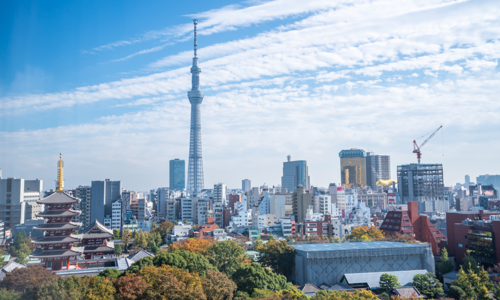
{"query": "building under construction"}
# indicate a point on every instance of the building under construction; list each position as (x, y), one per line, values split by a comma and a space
(420, 182)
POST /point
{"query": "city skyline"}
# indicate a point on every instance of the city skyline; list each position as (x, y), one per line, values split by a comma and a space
(308, 79)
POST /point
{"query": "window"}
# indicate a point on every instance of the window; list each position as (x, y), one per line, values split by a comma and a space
(49, 264)
(460, 245)
(65, 263)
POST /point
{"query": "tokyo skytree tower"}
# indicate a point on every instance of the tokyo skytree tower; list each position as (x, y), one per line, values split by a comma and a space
(195, 166)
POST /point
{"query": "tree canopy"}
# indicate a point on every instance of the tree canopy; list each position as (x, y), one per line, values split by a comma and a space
(428, 285)
(217, 286)
(139, 264)
(471, 284)
(110, 273)
(227, 256)
(388, 281)
(445, 266)
(277, 255)
(334, 295)
(196, 245)
(195, 262)
(171, 259)
(365, 233)
(254, 276)
(27, 280)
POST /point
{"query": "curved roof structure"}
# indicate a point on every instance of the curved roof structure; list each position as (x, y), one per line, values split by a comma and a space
(59, 198)
(58, 213)
(58, 226)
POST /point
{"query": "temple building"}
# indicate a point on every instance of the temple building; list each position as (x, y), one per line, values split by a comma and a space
(95, 241)
(55, 248)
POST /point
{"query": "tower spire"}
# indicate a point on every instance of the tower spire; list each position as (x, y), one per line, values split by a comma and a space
(195, 22)
(60, 174)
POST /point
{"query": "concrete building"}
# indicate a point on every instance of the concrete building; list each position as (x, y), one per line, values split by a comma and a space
(420, 182)
(301, 201)
(246, 185)
(243, 215)
(219, 214)
(489, 179)
(189, 209)
(18, 200)
(322, 204)
(267, 220)
(141, 210)
(103, 194)
(378, 167)
(177, 176)
(373, 199)
(203, 212)
(277, 205)
(28, 226)
(233, 199)
(254, 196)
(295, 173)
(347, 199)
(116, 215)
(220, 191)
(162, 196)
(173, 207)
(84, 193)
(353, 168)
(327, 263)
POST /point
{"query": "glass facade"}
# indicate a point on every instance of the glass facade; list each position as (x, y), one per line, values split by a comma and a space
(353, 168)
(177, 174)
(482, 246)
(295, 173)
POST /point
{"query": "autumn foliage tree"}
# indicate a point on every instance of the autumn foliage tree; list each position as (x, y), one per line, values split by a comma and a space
(28, 280)
(130, 287)
(217, 286)
(196, 245)
(365, 233)
(277, 255)
(334, 295)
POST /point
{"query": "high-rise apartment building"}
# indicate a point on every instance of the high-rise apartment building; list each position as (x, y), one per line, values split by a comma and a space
(103, 194)
(246, 185)
(295, 173)
(233, 199)
(301, 201)
(18, 200)
(195, 167)
(220, 192)
(84, 194)
(277, 205)
(177, 174)
(353, 168)
(322, 204)
(420, 182)
(378, 167)
(162, 196)
(189, 209)
(116, 215)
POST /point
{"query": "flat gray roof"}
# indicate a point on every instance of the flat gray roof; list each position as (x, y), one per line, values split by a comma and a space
(354, 246)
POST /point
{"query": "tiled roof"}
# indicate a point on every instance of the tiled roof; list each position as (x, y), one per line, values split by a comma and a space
(99, 248)
(340, 287)
(309, 288)
(406, 291)
(11, 266)
(39, 253)
(138, 255)
(58, 213)
(405, 278)
(58, 226)
(101, 227)
(55, 239)
(58, 198)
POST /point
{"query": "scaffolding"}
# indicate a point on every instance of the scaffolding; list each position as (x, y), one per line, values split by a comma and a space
(421, 182)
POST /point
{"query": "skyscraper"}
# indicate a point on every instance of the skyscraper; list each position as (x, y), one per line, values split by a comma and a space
(177, 174)
(353, 168)
(195, 166)
(295, 173)
(378, 167)
(246, 185)
(102, 195)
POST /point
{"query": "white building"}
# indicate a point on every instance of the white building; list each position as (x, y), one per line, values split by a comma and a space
(219, 214)
(179, 233)
(267, 220)
(116, 215)
(107, 221)
(347, 199)
(189, 207)
(244, 215)
(322, 204)
(277, 205)
(220, 192)
(246, 185)
(203, 212)
(286, 227)
(18, 199)
(254, 196)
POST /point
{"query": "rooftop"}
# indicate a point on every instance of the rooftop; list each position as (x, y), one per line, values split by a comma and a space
(354, 246)
(58, 198)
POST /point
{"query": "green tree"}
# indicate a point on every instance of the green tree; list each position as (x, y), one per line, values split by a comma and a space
(28, 280)
(118, 249)
(227, 256)
(126, 237)
(456, 293)
(134, 234)
(217, 286)
(428, 285)
(496, 295)
(154, 249)
(446, 266)
(70, 288)
(483, 293)
(388, 281)
(254, 276)
(470, 263)
(110, 273)
(279, 256)
(22, 253)
(97, 287)
(116, 234)
(6, 294)
(139, 264)
(165, 228)
(463, 281)
(170, 259)
(195, 262)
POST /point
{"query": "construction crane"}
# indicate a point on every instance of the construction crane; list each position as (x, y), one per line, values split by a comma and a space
(416, 147)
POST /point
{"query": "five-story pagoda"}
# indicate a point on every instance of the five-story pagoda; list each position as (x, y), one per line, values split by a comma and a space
(55, 248)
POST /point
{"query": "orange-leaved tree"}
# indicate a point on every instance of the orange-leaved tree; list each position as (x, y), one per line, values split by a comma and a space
(196, 245)
(365, 233)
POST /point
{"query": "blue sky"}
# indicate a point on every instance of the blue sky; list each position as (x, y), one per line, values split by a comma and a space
(106, 84)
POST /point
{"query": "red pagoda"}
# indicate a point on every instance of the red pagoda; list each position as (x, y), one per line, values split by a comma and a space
(95, 240)
(55, 249)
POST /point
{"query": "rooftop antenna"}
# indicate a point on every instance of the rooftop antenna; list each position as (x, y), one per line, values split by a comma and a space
(60, 174)
(195, 22)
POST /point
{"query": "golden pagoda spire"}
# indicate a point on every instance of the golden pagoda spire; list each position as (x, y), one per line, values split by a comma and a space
(60, 174)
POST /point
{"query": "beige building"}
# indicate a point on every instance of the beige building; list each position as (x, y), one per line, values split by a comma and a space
(301, 201)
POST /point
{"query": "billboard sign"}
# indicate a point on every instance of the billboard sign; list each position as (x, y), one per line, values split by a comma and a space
(391, 198)
(340, 189)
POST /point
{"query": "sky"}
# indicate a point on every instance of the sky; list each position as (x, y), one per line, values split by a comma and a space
(106, 82)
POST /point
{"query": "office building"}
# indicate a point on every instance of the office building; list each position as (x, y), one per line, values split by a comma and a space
(2, 224)
(202, 212)
(116, 216)
(189, 209)
(162, 196)
(233, 199)
(295, 173)
(243, 215)
(141, 209)
(219, 214)
(18, 200)
(177, 174)
(173, 207)
(301, 201)
(420, 182)
(373, 199)
(277, 205)
(195, 167)
(254, 196)
(353, 168)
(467, 180)
(378, 167)
(347, 199)
(489, 179)
(246, 185)
(220, 190)
(103, 194)
(84, 194)
(322, 204)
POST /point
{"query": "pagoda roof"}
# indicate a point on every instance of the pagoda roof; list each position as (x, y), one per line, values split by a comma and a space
(104, 231)
(58, 198)
(56, 240)
(58, 226)
(58, 213)
(39, 253)
(99, 248)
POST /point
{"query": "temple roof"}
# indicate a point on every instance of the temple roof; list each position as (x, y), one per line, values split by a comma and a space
(95, 230)
(99, 248)
(39, 253)
(58, 213)
(58, 226)
(59, 198)
(56, 240)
